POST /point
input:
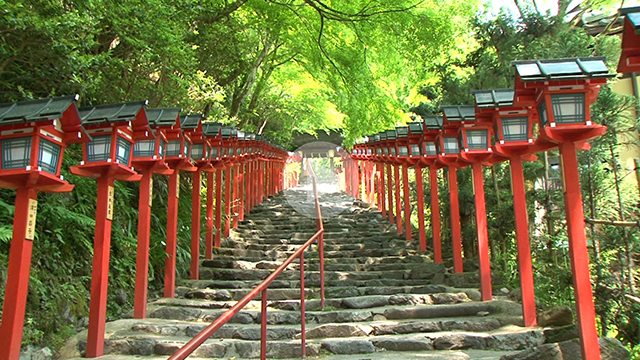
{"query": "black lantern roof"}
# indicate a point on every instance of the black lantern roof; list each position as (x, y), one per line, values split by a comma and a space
(416, 128)
(391, 134)
(383, 136)
(163, 117)
(212, 129)
(376, 137)
(633, 14)
(432, 122)
(494, 98)
(228, 132)
(562, 69)
(190, 121)
(35, 110)
(111, 112)
(460, 112)
(403, 131)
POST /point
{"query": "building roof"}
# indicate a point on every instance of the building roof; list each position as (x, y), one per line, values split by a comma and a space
(459, 112)
(494, 98)
(163, 117)
(190, 121)
(35, 110)
(562, 69)
(211, 129)
(633, 14)
(110, 113)
(432, 122)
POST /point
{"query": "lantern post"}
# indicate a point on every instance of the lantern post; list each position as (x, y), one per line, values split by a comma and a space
(228, 134)
(563, 90)
(475, 148)
(33, 137)
(402, 144)
(392, 137)
(178, 157)
(416, 129)
(431, 130)
(379, 160)
(107, 157)
(192, 125)
(386, 161)
(449, 155)
(148, 159)
(212, 133)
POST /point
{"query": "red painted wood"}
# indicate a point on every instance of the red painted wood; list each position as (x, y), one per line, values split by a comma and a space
(99, 272)
(234, 199)
(263, 324)
(241, 192)
(172, 236)
(482, 233)
(435, 215)
(390, 194)
(196, 204)
(585, 311)
(15, 296)
(227, 200)
(303, 322)
(142, 251)
(208, 237)
(422, 236)
(525, 266)
(407, 202)
(218, 208)
(396, 175)
(456, 235)
(382, 190)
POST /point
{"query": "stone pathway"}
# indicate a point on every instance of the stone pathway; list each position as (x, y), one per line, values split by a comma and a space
(385, 299)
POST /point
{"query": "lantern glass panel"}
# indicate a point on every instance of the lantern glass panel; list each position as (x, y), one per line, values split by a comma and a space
(99, 148)
(238, 151)
(393, 151)
(162, 147)
(403, 150)
(173, 148)
(386, 151)
(415, 150)
(542, 112)
(186, 149)
(16, 153)
(568, 108)
(450, 145)
(515, 129)
(477, 139)
(379, 151)
(144, 148)
(213, 154)
(48, 156)
(197, 152)
(123, 152)
(430, 148)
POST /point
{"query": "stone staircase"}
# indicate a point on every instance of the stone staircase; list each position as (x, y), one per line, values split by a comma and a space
(384, 299)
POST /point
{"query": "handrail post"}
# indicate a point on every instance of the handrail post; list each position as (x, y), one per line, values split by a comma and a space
(303, 330)
(321, 255)
(263, 326)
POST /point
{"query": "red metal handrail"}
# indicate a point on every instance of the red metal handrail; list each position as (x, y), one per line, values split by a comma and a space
(194, 343)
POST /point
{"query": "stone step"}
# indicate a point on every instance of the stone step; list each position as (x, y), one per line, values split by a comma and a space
(276, 254)
(247, 262)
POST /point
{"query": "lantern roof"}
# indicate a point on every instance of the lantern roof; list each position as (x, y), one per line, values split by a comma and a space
(432, 122)
(163, 117)
(633, 15)
(456, 113)
(494, 98)
(37, 110)
(190, 121)
(110, 113)
(212, 129)
(561, 69)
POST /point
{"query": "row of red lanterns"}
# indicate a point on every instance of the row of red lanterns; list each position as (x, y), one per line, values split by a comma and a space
(125, 142)
(547, 109)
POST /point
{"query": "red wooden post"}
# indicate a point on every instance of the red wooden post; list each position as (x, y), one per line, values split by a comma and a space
(172, 235)
(100, 268)
(482, 232)
(235, 201)
(263, 324)
(142, 257)
(396, 174)
(407, 201)
(195, 225)
(248, 183)
(209, 218)
(261, 181)
(218, 208)
(585, 311)
(420, 193)
(372, 182)
(382, 191)
(524, 248)
(456, 235)
(15, 297)
(435, 215)
(227, 200)
(241, 193)
(303, 322)
(356, 179)
(390, 194)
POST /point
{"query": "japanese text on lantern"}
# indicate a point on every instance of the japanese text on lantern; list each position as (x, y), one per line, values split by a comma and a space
(110, 203)
(31, 219)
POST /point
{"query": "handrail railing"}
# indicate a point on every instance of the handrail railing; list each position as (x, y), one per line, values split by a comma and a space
(194, 343)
